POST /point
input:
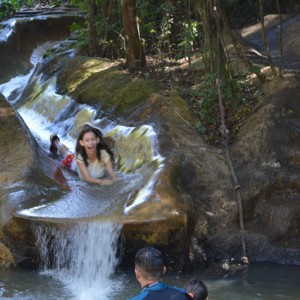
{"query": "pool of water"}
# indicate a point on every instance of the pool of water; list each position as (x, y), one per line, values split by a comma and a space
(258, 281)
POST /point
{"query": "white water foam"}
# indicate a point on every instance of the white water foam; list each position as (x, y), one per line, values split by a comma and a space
(18, 83)
(41, 129)
(7, 30)
(83, 257)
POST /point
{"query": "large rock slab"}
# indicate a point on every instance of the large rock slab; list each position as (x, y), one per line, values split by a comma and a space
(15, 168)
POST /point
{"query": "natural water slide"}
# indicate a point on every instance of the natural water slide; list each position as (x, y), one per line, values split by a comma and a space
(75, 227)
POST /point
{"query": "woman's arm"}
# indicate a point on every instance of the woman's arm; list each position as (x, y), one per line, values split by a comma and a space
(111, 172)
(86, 175)
(110, 169)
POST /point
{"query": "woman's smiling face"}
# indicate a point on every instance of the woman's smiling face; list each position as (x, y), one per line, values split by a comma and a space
(89, 142)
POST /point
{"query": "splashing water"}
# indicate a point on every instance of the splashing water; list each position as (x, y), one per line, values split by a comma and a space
(82, 256)
(17, 84)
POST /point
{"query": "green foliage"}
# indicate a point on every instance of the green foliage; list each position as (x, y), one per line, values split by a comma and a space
(166, 31)
(109, 30)
(7, 10)
(56, 2)
(187, 37)
(254, 69)
(80, 3)
(154, 21)
(80, 30)
(205, 103)
(164, 40)
(204, 100)
(161, 28)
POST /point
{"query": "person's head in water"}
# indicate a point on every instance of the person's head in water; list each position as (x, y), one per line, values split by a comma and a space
(149, 270)
(197, 289)
(54, 139)
(90, 140)
(149, 265)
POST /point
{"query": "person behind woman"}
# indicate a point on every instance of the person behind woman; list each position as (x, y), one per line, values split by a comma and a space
(93, 157)
(197, 289)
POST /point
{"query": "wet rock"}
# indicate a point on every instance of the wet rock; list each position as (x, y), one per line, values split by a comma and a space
(15, 150)
(20, 239)
(6, 258)
(101, 82)
(24, 35)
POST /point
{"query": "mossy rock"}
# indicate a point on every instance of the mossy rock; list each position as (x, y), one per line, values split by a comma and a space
(161, 233)
(101, 87)
(136, 92)
(132, 150)
(78, 70)
(114, 90)
(6, 258)
(101, 82)
(84, 115)
(181, 108)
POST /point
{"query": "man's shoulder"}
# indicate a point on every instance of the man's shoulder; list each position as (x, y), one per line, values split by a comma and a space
(178, 293)
(162, 291)
(140, 296)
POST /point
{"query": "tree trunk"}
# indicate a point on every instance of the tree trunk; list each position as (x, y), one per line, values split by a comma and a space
(239, 51)
(204, 10)
(280, 38)
(264, 38)
(188, 12)
(108, 37)
(92, 34)
(135, 56)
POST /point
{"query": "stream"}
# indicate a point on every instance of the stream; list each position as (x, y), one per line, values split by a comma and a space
(258, 282)
(79, 259)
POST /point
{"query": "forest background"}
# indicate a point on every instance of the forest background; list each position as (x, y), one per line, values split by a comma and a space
(181, 44)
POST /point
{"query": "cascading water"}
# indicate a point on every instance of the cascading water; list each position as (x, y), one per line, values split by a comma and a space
(82, 256)
(46, 112)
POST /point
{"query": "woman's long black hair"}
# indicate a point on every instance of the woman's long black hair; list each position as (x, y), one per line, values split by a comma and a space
(100, 146)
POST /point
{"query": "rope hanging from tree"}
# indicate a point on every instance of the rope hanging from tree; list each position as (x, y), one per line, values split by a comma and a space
(244, 259)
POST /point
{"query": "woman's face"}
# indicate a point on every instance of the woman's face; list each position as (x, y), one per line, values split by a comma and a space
(89, 142)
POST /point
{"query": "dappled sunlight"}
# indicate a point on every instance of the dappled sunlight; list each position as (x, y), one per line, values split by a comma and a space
(84, 70)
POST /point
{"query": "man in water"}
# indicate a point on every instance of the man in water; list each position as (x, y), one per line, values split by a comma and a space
(149, 269)
(197, 289)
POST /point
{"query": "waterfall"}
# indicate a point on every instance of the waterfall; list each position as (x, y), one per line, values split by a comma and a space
(82, 256)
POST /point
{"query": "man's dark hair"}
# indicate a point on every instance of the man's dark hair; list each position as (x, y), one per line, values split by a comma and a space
(150, 261)
(198, 288)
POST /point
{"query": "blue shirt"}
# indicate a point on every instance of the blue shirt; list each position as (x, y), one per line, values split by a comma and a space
(161, 291)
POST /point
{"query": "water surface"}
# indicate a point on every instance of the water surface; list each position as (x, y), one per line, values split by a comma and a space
(260, 281)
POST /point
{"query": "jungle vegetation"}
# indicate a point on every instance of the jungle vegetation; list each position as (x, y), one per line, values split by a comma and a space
(155, 37)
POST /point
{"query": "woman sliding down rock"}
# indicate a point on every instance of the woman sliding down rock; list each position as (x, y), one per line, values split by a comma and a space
(93, 157)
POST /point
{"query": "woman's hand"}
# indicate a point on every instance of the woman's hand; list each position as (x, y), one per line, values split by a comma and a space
(109, 181)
